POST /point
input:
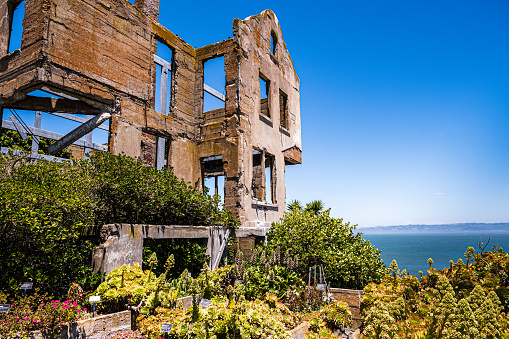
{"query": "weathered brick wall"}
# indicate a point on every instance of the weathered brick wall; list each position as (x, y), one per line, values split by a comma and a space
(101, 52)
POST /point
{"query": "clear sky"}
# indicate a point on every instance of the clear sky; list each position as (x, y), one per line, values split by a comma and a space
(404, 104)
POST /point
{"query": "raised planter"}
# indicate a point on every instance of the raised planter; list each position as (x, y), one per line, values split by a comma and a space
(99, 326)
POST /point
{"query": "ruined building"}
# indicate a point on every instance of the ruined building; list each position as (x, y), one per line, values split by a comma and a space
(103, 59)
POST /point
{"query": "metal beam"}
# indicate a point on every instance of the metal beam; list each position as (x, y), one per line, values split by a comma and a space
(19, 127)
(77, 119)
(161, 147)
(161, 62)
(35, 139)
(54, 136)
(77, 133)
(6, 150)
(47, 104)
(213, 92)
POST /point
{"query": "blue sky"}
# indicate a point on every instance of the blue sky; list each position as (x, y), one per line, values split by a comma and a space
(404, 105)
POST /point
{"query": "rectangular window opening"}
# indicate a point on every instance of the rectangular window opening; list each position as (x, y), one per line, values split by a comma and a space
(162, 153)
(214, 83)
(283, 110)
(16, 13)
(213, 176)
(257, 186)
(264, 96)
(263, 184)
(163, 61)
(269, 179)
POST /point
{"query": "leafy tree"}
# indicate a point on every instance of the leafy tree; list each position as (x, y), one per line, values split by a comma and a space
(45, 206)
(12, 139)
(317, 238)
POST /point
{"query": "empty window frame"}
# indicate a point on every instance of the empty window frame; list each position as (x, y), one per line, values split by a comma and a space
(264, 96)
(163, 78)
(14, 29)
(163, 148)
(214, 82)
(264, 183)
(283, 110)
(273, 42)
(213, 176)
(270, 188)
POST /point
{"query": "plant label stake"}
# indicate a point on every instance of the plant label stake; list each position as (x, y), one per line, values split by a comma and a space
(4, 308)
(26, 286)
(204, 303)
(166, 328)
(321, 287)
(93, 299)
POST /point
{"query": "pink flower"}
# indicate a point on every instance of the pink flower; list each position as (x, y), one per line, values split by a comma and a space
(75, 304)
(35, 320)
(85, 309)
(79, 310)
(60, 324)
(43, 304)
(27, 318)
(54, 305)
(17, 319)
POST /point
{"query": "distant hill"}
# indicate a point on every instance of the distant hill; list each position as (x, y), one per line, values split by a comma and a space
(445, 228)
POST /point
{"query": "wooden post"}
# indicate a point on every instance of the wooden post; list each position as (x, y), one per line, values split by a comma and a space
(217, 188)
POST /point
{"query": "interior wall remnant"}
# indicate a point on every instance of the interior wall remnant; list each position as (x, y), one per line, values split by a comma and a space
(258, 176)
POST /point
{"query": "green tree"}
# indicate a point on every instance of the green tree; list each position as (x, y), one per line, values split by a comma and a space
(317, 238)
(45, 207)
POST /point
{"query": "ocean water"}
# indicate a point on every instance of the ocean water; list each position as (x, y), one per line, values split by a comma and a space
(412, 251)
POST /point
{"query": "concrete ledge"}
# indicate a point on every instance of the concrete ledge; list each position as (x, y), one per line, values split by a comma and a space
(300, 331)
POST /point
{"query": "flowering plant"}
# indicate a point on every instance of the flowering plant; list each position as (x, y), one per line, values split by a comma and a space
(32, 313)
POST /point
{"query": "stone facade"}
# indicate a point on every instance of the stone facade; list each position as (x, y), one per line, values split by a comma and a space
(99, 57)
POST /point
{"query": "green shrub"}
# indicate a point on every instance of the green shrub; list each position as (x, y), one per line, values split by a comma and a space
(44, 207)
(456, 302)
(37, 313)
(315, 238)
